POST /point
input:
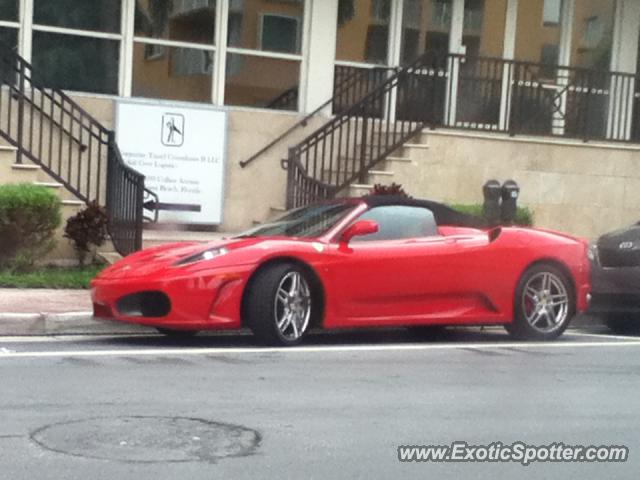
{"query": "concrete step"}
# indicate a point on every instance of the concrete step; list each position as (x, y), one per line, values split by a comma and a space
(60, 190)
(24, 173)
(379, 176)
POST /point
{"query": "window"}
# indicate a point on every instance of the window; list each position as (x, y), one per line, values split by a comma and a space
(266, 25)
(96, 15)
(74, 62)
(592, 38)
(9, 10)
(83, 54)
(592, 32)
(551, 12)
(363, 32)
(172, 73)
(538, 29)
(9, 36)
(191, 21)
(264, 82)
(549, 60)
(376, 46)
(280, 34)
(264, 53)
(381, 10)
(188, 61)
(164, 69)
(441, 14)
(398, 222)
(473, 14)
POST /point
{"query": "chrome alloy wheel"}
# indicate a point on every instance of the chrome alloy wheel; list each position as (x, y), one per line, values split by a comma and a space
(545, 302)
(292, 306)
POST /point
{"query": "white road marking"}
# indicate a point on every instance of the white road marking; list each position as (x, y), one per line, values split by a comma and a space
(313, 349)
(603, 335)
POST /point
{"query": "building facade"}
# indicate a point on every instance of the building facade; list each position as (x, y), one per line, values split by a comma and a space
(569, 64)
(249, 52)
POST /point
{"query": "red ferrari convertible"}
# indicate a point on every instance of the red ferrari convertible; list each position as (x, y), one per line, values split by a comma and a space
(368, 262)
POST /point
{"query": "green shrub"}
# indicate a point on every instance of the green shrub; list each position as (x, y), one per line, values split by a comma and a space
(87, 230)
(29, 216)
(524, 216)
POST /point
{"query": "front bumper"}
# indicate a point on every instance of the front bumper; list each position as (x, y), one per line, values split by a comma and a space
(202, 302)
(615, 290)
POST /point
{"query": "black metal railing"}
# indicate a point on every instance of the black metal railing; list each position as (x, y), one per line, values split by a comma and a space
(526, 98)
(346, 147)
(456, 91)
(350, 85)
(287, 100)
(51, 130)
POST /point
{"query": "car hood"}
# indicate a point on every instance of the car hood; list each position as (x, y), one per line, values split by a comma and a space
(155, 259)
(629, 236)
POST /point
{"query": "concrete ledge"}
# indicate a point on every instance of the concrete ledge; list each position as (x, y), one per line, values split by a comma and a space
(72, 323)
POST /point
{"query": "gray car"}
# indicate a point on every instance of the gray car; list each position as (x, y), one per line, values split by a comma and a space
(615, 278)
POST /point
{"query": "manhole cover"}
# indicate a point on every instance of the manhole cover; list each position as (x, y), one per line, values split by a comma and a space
(148, 439)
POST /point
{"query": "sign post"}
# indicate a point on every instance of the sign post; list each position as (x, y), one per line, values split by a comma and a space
(181, 150)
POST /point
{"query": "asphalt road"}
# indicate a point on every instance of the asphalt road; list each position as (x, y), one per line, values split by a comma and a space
(144, 407)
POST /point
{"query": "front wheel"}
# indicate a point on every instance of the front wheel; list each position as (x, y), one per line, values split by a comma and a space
(279, 305)
(544, 304)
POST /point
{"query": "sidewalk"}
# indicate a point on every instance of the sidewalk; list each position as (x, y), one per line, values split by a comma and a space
(54, 312)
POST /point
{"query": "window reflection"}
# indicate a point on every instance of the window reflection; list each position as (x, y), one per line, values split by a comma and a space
(9, 10)
(262, 82)
(593, 34)
(97, 15)
(172, 73)
(266, 25)
(180, 20)
(363, 31)
(76, 63)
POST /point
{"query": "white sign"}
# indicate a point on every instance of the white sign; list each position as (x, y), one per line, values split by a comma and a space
(181, 151)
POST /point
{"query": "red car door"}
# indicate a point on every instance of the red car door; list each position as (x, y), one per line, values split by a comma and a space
(391, 281)
(417, 278)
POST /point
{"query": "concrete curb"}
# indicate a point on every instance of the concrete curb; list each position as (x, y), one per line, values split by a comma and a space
(70, 323)
(84, 323)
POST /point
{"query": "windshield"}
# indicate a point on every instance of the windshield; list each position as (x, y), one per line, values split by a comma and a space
(308, 222)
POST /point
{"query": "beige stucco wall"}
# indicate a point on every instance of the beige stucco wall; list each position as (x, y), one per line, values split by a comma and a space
(571, 186)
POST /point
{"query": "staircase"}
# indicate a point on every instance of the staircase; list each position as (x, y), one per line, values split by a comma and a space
(362, 145)
(57, 144)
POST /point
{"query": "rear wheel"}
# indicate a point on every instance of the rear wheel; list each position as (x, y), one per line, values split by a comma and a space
(544, 304)
(279, 305)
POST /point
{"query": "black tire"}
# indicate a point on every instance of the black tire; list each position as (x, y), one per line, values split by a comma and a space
(262, 311)
(177, 334)
(429, 332)
(623, 324)
(550, 329)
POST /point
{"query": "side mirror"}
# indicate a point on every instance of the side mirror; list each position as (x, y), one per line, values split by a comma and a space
(358, 229)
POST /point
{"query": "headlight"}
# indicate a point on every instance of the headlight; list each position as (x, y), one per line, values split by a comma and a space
(592, 253)
(199, 257)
